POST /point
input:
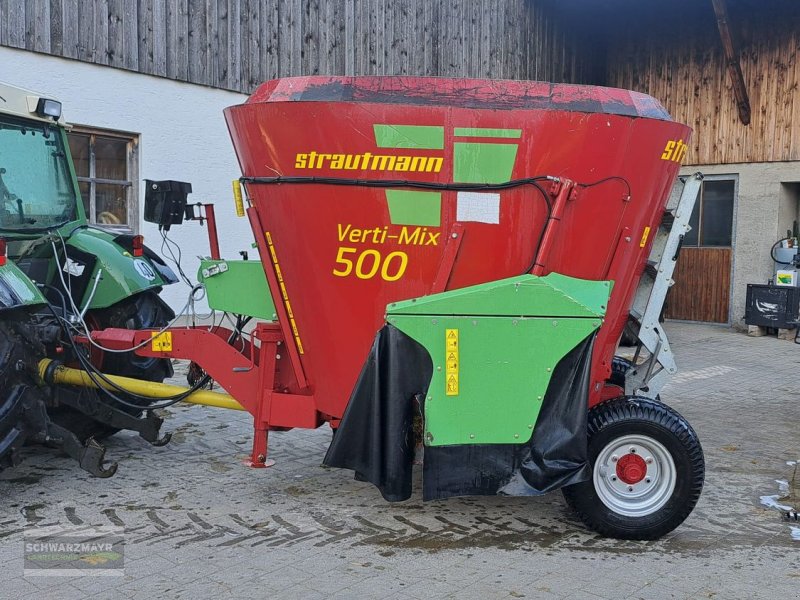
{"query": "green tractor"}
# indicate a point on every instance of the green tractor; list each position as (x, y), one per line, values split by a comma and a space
(59, 278)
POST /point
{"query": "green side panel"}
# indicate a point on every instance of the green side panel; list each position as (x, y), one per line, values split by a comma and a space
(16, 289)
(237, 286)
(494, 347)
(123, 274)
(409, 136)
(414, 208)
(483, 162)
(553, 295)
(504, 368)
(487, 132)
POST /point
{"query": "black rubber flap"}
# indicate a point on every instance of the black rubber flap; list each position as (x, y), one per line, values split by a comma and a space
(375, 437)
(555, 456)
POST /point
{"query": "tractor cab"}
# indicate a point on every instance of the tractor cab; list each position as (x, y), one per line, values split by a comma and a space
(42, 217)
(38, 190)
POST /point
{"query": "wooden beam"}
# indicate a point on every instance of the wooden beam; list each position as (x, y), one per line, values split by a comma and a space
(732, 58)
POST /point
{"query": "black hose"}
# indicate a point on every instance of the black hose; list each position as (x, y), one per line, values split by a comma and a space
(432, 185)
(94, 373)
(387, 183)
(772, 251)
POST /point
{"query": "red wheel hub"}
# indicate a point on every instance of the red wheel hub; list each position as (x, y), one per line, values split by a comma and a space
(631, 468)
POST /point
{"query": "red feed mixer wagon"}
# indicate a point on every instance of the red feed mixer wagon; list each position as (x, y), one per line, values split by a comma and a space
(452, 263)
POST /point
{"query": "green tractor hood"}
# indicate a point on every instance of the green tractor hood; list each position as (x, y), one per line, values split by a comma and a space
(89, 251)
(123, 275)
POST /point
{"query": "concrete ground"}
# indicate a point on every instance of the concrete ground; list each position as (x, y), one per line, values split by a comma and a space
(198, 524)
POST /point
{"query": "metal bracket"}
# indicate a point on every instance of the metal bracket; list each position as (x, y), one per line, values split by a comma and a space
(215, 269)
(649, 378)
(86, 401)
(90, 456)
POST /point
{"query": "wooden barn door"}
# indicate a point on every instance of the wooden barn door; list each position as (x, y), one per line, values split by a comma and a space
(703, 274)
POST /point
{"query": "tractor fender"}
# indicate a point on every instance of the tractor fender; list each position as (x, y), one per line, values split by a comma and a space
(16, 289)
(124, 274)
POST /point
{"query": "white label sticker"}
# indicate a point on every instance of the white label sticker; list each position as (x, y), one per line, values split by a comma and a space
(478, 207)
(144, 269)
(74, 268)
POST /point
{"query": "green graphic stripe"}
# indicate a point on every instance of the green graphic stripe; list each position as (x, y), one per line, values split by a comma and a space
(487, 132)
(414, 208)
(409, 136)
(476, 162)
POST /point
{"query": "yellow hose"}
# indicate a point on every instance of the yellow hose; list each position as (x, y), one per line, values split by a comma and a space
(69, 376)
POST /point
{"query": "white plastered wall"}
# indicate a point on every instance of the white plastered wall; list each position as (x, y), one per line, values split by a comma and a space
(182, 136)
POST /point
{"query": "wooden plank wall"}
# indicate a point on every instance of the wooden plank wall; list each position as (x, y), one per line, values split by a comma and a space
(684, 67)
(236, 44)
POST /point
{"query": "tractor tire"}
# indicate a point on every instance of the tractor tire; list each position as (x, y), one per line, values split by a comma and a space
(15, 353)
(647, 470)
(145, 310)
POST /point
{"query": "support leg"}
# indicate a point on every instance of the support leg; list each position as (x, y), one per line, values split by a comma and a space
(258, 457)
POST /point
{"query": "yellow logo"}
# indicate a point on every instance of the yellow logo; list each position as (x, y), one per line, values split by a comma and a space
(368, 162)
(675, 150)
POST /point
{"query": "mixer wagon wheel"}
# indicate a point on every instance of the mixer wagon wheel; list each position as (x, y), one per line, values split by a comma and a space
(647, 470)
(619, 367)
(145, 310)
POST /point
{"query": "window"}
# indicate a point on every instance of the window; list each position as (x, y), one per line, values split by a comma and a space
(712, 218)
(36, 187)
(106, 166)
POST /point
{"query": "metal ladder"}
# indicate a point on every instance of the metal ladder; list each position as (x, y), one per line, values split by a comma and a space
(649, 378)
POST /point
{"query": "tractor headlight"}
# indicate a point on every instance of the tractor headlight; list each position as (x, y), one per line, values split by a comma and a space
(49, 108)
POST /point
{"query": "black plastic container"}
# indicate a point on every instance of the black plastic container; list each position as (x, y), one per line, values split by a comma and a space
(775, 306)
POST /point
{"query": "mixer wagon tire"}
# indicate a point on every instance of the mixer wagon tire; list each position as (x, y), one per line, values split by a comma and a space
(647, 470)
(630, 334)
(145, 310)
(619, 366)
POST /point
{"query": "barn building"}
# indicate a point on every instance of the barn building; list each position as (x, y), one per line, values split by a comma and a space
(144, 83)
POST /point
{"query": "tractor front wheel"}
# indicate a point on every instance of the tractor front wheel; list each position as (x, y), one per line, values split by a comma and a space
(18, 357)
(647, 470)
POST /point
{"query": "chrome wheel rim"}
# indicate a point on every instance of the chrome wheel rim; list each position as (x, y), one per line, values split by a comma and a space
(634, 475)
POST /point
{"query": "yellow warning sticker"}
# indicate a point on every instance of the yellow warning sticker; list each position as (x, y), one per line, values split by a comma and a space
(161, 342)
(452, 385)
(645, 235)
(451, 362)
(451, 339)
(284, 293)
